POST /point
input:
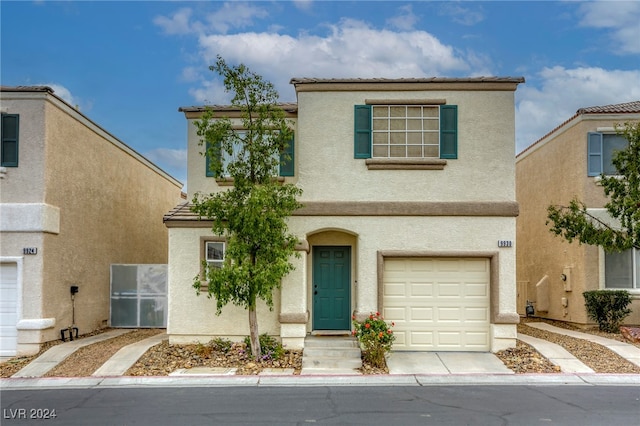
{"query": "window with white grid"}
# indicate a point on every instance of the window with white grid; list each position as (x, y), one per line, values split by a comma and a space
(406, 131)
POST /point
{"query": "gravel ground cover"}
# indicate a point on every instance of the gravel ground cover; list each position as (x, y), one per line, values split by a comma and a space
(88, 359)
(162, 359)
(599, 358)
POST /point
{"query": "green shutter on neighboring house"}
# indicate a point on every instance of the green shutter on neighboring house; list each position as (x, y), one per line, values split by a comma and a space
(9, 140)
(362, 131)
(286, 159)
(449, 131)
(594, 156)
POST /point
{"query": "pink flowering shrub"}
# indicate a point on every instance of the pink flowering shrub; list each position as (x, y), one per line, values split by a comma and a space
(375, 337)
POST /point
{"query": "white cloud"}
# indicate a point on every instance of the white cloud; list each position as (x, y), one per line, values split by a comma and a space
(62, 92)
(178, 23)
(621, 17)
(350, 48)
(461, 15)
(303, 4)
(173, 161)
(66, 95)
(562, 92)
(174, 158)
(229, 16)
(405, 20)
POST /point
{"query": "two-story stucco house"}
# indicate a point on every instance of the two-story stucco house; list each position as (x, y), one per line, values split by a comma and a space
(563, 165)
(73, 200)
(409, 210)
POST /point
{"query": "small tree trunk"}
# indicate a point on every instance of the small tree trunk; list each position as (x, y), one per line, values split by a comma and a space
(253, 332)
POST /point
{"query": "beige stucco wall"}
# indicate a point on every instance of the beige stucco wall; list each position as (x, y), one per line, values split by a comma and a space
(482, 175)
(326, 170)
(554, 171)
(192, 318)
(109, 203)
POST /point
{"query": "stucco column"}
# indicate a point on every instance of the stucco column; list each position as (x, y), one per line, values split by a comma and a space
(366, 283)
(294, 313)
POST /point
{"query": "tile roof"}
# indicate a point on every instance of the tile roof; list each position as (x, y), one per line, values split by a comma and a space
(181, 212)
(625, 108)
(409, 80)
(26, 89)
(287, 106)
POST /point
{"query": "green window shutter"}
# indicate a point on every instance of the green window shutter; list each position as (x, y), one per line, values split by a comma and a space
(286, 159)
(594, 155)
(9, 140)
(449, 131)
(362, 131)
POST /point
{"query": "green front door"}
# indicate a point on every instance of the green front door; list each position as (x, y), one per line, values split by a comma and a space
(331, 287)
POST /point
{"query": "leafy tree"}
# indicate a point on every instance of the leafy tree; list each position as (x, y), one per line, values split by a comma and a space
(574, 222)
(252, 214)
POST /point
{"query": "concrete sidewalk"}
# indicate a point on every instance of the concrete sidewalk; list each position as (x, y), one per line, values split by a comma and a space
(54, 356)
(124, 359)
(630, 352)
(405, 368)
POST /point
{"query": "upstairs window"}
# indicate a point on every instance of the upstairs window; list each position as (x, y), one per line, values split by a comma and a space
(406, 131)
(602, 147)
(9, 133)
(286, 158)
(214, 254)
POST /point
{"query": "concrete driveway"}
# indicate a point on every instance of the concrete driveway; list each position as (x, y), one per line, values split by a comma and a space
(445, 363)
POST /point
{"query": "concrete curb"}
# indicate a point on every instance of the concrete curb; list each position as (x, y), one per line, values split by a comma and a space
(286, 381)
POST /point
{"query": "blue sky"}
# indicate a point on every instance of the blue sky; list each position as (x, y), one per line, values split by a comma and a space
(129, 65)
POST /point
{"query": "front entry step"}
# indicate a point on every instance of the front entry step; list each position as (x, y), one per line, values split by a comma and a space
(331, 355)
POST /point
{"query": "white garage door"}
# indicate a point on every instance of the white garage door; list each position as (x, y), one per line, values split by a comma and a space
(438, 304)
(8, 308)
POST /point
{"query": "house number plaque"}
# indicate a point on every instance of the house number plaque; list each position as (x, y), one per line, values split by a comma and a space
(30, 250)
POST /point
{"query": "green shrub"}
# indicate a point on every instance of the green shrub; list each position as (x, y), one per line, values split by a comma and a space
(270, 347)
(221, 345)
(608, 308)
(375, 337)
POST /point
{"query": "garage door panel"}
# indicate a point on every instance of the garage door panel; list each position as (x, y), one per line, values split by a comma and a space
(478, 289)
(398, 313)
(477, 339)
(420, 265)
(448, 290)
(8, 308)
(422, 339)
(421, 314)
(395, 289)
(480, 315)
(442, 304)
(449, 314)
(401, 338)
(421, 289)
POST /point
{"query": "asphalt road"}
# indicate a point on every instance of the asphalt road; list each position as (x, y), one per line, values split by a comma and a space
(376, 405)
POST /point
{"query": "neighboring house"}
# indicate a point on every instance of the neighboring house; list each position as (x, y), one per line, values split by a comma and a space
(563, 165)
(73, 200)
(409, 209)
